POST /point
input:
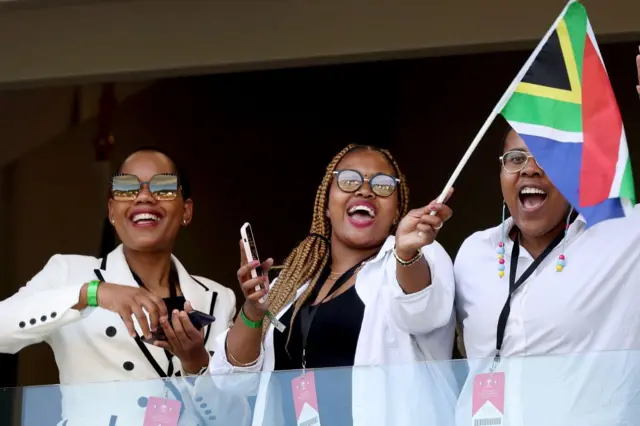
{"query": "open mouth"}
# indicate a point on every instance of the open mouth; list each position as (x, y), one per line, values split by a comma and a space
(361, 214)
(145, 219)
(532, 198)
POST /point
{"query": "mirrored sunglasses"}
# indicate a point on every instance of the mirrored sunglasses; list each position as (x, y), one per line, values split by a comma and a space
(516, 161)
(163, 187)
(381, 184)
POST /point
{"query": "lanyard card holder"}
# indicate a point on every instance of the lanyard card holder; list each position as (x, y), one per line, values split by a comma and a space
(162, 411)
(488, 399)
(305, 399)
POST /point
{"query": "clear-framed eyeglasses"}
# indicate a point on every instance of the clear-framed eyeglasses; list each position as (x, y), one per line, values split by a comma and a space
(381, 184)
(515, 161)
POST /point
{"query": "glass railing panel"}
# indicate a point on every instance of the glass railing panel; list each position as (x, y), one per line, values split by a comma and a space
(595, 389)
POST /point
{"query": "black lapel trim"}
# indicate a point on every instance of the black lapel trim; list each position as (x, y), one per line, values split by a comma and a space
(214, 297)
(201, 285)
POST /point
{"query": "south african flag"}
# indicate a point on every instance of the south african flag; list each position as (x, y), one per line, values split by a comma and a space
(565, 110)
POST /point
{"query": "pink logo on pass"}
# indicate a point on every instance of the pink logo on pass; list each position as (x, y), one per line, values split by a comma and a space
(488, 388)
(162, 412)
(304, 391)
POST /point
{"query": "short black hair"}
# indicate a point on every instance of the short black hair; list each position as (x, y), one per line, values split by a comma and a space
(503, 144)
(183, 177)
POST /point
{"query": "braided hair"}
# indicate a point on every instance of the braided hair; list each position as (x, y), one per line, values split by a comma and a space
(307, 261)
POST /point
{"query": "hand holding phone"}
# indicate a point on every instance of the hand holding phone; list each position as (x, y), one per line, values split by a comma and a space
(251, 253)
(198, 320)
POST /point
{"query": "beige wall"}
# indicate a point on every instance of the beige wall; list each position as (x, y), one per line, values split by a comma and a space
(159, 37)
(256, 145)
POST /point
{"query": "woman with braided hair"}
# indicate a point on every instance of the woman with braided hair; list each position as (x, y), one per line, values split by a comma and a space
(351, 294)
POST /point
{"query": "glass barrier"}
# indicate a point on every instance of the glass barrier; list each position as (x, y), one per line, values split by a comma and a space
(596, 389)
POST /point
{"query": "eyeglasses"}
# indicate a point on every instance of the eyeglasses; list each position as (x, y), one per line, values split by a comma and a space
(515, 161)
(381, 184)
(163, 187)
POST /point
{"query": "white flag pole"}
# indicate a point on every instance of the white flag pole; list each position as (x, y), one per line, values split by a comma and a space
(500, 106)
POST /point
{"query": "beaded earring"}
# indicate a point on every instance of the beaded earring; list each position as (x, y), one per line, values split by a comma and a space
(500, 249)
(561, 259)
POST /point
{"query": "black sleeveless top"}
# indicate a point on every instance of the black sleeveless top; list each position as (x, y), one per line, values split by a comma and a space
(331, 342)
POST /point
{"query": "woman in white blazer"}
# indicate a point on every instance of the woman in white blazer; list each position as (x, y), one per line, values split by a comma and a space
(94, 312)
(351, 294)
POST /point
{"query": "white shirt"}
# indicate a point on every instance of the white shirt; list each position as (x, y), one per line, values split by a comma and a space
(95, 353)
(398, 330)
(589, 307)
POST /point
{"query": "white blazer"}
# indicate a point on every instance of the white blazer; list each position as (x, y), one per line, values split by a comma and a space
(398, 331)
(94, 351)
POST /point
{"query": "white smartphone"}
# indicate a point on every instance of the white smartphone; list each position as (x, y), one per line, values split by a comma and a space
(251, 252)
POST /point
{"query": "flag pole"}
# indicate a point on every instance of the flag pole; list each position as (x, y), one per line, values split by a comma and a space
(500, 106)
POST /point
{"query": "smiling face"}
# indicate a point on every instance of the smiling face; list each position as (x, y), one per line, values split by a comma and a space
(362, 219)
(536, 206)
(146, 224)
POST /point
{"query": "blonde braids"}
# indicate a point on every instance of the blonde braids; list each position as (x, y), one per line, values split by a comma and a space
(307, 261)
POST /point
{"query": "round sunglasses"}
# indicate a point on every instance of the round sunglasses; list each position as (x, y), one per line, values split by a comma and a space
(381, 184)
(516, 160)
(163, 187)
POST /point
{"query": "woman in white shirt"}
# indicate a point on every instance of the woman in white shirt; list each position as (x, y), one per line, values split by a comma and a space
(352, 294)
(574, 293)
(95, 312)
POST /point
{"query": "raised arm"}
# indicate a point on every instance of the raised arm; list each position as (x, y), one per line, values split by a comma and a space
(424, 288)
(417, 229)
(240, 349)
(244, 340)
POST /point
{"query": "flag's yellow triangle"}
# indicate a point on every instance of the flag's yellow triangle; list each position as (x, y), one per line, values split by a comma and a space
(575, 94)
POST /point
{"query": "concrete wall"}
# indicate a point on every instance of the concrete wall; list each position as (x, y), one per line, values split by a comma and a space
(113, 38)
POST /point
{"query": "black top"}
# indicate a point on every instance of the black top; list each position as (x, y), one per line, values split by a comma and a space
(331, 342)
(332, 338)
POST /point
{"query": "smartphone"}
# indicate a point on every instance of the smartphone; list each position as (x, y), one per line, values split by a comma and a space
(197, 318)
(200, 319)
(251, 253)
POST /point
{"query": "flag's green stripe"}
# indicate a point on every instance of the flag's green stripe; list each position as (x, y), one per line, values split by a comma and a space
(544, 112)
(627, 189)
(576, 20)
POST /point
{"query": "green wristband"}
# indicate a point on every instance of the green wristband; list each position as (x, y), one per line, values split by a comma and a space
(248, 322)
(92, 293)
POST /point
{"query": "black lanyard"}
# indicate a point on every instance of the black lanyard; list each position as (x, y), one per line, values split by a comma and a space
(308, 312)
(514, 285)
(173, 279)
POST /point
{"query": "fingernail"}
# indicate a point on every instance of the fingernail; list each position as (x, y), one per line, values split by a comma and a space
(433, 207)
